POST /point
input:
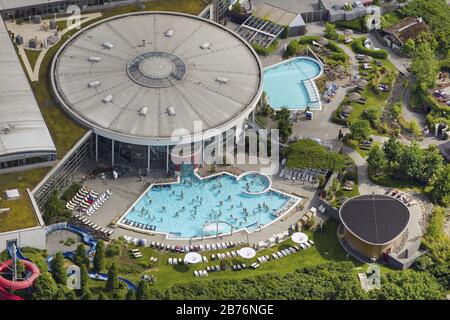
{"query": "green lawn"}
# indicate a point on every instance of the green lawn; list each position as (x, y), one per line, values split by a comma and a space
(326, 248)
(387, 180)
(32, 56)
(21, 214)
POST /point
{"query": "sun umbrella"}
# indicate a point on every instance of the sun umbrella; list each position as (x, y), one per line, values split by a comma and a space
(193, 257)
(247, 253)
(299, 237)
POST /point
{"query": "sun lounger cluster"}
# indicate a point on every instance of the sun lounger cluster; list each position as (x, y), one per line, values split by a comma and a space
(197, 247)
(238, 267)
(153, 259)
(97, 203)
(91, 225)
(135, 241)
(285, 208)
(224, 255)
(201, 273)
(288, 251)
(136, 253)
(403, 197)
(139, 225)
(82, 199)
(87, 201)
(303, 175)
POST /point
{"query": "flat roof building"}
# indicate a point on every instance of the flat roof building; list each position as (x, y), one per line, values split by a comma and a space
(24, 137)
(143, 81)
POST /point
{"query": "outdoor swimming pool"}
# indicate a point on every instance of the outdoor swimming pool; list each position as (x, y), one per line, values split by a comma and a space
(194, 205)
(291, 84)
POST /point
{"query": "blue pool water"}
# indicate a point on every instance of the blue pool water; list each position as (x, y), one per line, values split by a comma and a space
(183, 209)
(254, 183)
(283, 83)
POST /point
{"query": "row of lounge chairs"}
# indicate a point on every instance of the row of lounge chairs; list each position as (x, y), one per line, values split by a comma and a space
(288, 251)
(97, 203)
(136, 253)
(82, 199)
(139, 225)
(181, 261)
(406, 199)
(201, 273)
(94, 226)
(238, 267)
(197, 247)
(135, 241)
(304, 175)
(224, 255)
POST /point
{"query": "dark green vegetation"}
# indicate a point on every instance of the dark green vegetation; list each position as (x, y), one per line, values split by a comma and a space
(437, 260)
(284, 124)
(358, 46)
(334, 54)
(357, 24)
(398, 165)
(307, 153)
(55, 210)
(265, 51)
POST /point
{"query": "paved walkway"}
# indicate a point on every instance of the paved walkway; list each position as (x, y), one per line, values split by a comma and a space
(33, 74)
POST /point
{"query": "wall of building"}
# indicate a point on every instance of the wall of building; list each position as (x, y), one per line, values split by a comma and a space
(32, 237)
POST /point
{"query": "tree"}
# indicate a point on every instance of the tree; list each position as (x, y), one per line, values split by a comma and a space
(81, 257)
(425, 65)
(102, 296)
(99, 257)
(392, 149)
(84, 276)
(409, 285)
(143, 291)
(236, 7)
(440, 187)
(70, 295)
(130, 295)
(412, 161)
(284, 124)
(360, 130)
(373, 115)
(330, 31)
(55, 210)
(45, 287)
(60, 294)
(58, 270)
(113, 280)
(376, 159)
(432, 163)
(86, 294)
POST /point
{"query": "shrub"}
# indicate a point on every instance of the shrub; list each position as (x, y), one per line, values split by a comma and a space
(292, 49)
(357, 24)
(71, 191)
(358, 46)
(308, 39)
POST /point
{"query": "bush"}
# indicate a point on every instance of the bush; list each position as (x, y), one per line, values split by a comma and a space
(308, 39)
(292, 49)
(358, 46)
(357, 24)
(265, 51)
(284, 33)
(338, 56)
(71, 192)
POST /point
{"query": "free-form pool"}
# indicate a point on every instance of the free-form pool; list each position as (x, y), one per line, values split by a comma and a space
(291, 84)
(194, 205)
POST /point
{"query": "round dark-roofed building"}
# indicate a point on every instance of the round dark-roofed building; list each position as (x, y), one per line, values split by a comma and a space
(374, 224)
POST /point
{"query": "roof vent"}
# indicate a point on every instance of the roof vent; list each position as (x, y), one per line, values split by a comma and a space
(94, 59)
(169, 33)
(143, 111)
(108, 98)
(205, 45)
(171, 111)
(221, 79)
(108, 45)
(94, 84)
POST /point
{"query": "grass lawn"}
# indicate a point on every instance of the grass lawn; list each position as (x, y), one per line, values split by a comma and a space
(326, 248)
(21, 214)
(32, 56)
(387, 180)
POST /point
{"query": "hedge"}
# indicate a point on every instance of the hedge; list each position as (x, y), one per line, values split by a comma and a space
(265, 51)
(357, 24)
(358, 46)
(308, 39)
